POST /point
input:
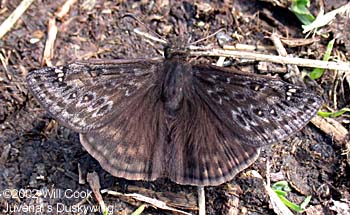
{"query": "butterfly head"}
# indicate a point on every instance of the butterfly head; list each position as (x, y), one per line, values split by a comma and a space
(176, 48)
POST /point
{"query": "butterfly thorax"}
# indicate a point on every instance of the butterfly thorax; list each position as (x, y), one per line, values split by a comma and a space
(175, 53)
(177, 78)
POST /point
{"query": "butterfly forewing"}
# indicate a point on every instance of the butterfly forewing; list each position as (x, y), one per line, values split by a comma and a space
(85, 96)
(257, 110)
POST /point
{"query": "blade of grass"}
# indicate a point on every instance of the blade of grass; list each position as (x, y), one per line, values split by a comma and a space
(333, 114)
(291, 205)
(318, 72)
(305, 202)
(139, 210)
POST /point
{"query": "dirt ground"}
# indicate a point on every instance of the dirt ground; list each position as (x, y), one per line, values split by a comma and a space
(38, 155)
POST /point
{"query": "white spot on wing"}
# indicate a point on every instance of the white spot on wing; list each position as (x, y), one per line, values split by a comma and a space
(58, 70)
(292, 90)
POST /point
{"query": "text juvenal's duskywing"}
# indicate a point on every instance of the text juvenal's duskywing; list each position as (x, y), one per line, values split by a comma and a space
(196, 124)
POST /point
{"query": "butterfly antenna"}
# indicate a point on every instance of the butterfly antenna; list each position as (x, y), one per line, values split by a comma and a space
(210, 36)
(159, 38)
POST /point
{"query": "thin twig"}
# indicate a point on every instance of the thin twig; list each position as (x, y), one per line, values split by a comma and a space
(154, 202)
(15, 15)
(293, 70)
(94, 182)
(64, 9)
(50, 42)
(246, 47)
(207, 37)
(149, 36)
(4, 61)
(275, 59)
(201, 200)
(332, 127)
(278, 45)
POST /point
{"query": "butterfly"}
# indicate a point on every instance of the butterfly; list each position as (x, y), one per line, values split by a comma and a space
(196, 124)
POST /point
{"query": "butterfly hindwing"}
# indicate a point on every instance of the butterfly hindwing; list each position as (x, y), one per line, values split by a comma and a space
(203, 151)
(131, 145)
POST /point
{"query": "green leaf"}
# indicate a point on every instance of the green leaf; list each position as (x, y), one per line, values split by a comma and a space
(281, 188)
(139, 210)
(301, 11)
(105, 212)
(318, 72)
(333, 114)
(305, 202)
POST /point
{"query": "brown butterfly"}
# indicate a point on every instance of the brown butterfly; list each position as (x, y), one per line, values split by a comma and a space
(196, 124)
